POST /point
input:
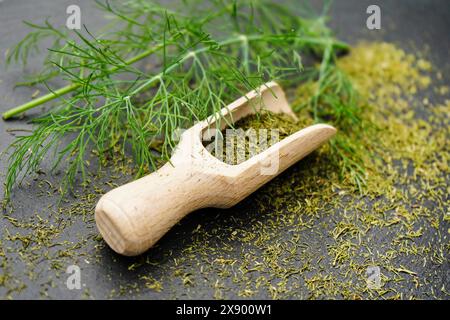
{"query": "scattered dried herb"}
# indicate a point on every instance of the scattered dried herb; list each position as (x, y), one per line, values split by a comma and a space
(310, 233)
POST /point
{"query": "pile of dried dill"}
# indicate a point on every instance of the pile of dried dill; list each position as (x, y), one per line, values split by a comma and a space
(311, 233)
(245, 139)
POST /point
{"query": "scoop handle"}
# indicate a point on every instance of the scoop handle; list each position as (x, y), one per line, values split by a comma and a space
(133, 217)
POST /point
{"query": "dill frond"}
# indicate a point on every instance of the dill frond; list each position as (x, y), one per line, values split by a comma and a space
(203, 55)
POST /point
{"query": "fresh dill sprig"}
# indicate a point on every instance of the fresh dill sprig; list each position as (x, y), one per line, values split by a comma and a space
(204, 55)
(329, 95)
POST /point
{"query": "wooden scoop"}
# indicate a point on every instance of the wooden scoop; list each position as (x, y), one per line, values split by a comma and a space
(133, 217)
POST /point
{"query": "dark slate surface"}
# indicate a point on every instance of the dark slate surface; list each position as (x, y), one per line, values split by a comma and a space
(412, 24)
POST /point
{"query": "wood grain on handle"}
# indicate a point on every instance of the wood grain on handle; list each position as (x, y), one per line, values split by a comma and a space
(134, 216)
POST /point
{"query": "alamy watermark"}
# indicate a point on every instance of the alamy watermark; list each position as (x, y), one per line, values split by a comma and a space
(373, 277)
(240, 145)
(235, 146)
(73, 281)
(373, 21)
(73, 21)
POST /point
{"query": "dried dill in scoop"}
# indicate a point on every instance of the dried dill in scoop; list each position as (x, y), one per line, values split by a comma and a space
(252, 135)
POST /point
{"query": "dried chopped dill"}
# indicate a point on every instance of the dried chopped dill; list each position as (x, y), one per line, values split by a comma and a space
(309, 233)
(246, 137)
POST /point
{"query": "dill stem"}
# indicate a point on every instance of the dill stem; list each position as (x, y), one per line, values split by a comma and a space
(41, 100)
(71, 87)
